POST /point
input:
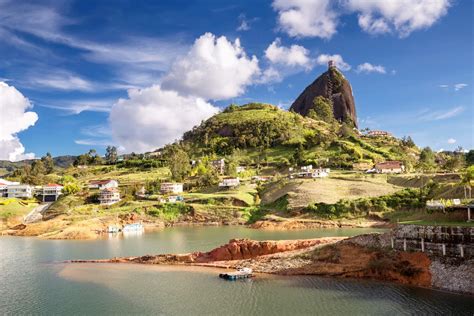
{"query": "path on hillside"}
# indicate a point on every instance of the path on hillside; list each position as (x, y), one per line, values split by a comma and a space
(36, 214)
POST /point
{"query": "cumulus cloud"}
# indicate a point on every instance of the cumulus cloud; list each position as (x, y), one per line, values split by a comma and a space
(323, 59)
(451, 141)
(306, 18)
(152, 117)
(293, 56)
(320, 18)
(368, 67)
(401, 16)
(214, 68)
(14, 119)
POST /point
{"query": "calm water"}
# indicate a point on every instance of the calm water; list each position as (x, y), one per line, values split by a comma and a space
(32, 281)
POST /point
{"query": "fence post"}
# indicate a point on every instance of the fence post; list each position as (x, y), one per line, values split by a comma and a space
(392, 242)
(461, 248)
(404, 244)
(422, 245)
(444, 249)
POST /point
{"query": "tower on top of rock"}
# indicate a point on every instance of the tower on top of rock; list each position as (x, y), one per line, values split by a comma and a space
(331, 64)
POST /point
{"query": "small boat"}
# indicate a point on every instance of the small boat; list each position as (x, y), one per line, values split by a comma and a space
(242, 273)
(113, 229)
(135, 227)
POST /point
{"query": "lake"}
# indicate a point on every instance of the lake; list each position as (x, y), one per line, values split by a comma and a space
(34, 280)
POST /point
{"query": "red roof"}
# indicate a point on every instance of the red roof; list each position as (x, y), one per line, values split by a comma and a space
(110, 190)
(53, 185)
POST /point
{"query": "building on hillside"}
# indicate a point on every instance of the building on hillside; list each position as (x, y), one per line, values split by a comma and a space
(109, 196)
(50, 192)
(229, 183)
(171, 187)
(21, 191)
(240, 169)
(4, 186)
(378, 134)
(307, 168)
(219, 165)
(390, 167)
(311, 174)
(103, 184)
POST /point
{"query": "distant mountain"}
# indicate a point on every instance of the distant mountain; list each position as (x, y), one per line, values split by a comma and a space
(335, 87)
(59, 161)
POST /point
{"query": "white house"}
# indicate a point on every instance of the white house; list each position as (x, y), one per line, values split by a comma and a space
(50, 192)
(240, 169)
(109, 196)
(103, 184)
(4, 186)
(378, 134)
(171, 187)
(22, 191)
(229, 182)
(390, 167)
(219, 165)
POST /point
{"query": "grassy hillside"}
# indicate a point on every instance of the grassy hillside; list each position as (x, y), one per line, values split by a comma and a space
(266, 133)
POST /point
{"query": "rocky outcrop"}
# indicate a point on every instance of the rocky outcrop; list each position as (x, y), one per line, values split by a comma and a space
(334, 86)
(235, 249)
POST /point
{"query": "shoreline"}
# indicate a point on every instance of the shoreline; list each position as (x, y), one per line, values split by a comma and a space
(63, 228)
(340, 257)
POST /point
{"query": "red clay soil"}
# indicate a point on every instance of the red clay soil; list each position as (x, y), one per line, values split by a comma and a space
(349, 260)
(236, 249)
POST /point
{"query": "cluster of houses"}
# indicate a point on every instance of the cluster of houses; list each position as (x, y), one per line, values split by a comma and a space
(46, 193)
(309, 173)
(108, 191)
(376, 133)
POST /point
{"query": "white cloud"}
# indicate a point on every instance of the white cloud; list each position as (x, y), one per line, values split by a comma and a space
(442, 115)
(62, 80)
(14, 119)
(306, 18)
(214, 68)
(401, 16)
(323, 59)
(269, 75)
(244, 23)
(459, 86)
(320, 18)
(367, 68)
(152, 117)
(451, 141)
(443, 86)
(293, 56)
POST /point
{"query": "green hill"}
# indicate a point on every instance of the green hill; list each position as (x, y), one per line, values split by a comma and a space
(264, 131)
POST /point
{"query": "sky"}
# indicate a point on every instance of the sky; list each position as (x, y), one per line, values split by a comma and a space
(76, 75)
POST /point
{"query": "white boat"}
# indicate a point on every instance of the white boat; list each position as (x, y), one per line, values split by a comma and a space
(135, 227)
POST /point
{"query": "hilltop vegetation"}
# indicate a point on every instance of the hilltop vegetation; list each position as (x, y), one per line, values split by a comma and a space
(267, 133)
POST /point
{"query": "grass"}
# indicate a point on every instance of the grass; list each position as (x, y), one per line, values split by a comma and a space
(422, 217)
(244, 192)
(125, 176)
(327, 190)
(15, 208)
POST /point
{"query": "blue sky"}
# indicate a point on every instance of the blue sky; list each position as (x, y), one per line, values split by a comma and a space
(138, 74)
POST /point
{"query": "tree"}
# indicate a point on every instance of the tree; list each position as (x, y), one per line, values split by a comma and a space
(470, 157)
(407, 141)
(37, 168)
(178, 163)
(71, 188)
(427, 159)
(322, 109)
(48, 163)
(455, 162)
(466, 180)
(111, 154)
